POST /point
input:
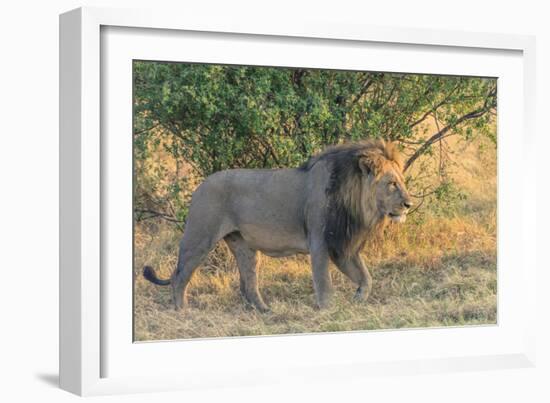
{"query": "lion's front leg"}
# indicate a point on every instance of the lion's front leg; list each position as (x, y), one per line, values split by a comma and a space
(357, 271)
(365, 279)
(322, 282)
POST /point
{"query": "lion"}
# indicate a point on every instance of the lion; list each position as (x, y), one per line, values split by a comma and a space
(327, 208)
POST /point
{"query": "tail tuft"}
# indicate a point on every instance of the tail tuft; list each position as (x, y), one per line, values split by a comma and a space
(149, 274)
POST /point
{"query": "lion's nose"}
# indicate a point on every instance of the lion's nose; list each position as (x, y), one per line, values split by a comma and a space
(407, 204)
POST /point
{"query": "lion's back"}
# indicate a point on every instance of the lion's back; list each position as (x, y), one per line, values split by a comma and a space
(261, 190)
(266, 206)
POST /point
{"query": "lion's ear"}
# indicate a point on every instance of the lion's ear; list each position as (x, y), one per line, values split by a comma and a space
(371, 162)
(393, 154)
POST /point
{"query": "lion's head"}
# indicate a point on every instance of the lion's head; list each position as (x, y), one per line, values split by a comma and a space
(366, 190)
(383, 180)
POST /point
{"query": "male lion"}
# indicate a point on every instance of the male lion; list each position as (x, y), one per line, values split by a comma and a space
(327, 208)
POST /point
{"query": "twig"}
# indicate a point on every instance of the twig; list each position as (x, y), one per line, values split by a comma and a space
(155, 214)
(417, 207)
(146, 129)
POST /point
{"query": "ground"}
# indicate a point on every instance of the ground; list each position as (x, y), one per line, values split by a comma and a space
(437, 269)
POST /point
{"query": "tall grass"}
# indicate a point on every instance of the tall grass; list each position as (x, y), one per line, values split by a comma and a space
(437, 269)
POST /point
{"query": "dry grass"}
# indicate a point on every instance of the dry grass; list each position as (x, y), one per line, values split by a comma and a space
(432, 271)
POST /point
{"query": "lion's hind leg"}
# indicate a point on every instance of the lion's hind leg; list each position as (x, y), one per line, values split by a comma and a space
(189, 260)
(247, 261)
(195, 245)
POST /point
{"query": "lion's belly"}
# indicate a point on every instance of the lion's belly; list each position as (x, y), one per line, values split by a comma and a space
(275, 242)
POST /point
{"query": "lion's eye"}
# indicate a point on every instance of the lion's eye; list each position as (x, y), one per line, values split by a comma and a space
(393, 185)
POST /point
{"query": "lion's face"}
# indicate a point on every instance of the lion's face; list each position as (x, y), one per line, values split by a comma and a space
(385, 176)
(392, 198)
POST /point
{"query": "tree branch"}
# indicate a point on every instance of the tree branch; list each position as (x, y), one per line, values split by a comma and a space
(435, 107)
(271, 151)
(157, 214)
(437, 136)
(146, 129)
(366, 85)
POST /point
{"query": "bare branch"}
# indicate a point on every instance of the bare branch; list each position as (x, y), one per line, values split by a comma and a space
(146, 129)
(434, 108)
(415, 209)
(366, 85)
(157, 214)
(437, 136)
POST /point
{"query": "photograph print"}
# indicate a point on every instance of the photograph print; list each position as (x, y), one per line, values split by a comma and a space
(286, 200)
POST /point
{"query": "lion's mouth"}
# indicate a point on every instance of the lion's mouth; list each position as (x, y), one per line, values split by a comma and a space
(398, 217)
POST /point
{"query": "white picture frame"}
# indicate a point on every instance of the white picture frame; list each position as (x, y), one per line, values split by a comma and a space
(94, 348)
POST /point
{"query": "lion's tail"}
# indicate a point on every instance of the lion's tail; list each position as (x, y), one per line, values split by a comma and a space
(149, 274)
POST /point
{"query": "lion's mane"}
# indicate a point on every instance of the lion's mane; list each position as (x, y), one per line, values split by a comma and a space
(352, 215)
